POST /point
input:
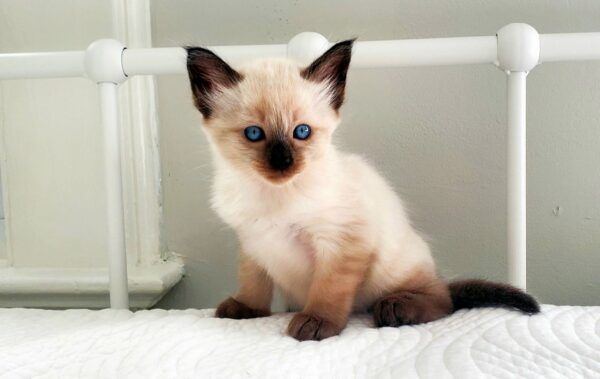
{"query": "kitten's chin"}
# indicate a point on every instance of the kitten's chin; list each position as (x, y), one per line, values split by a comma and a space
(278, 178)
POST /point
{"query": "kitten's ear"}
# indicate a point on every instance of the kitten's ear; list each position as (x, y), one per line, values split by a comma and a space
(208, 75)
(331, 67)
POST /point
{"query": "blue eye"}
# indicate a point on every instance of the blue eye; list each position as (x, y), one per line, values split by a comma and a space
(254, 133)
(302, 132)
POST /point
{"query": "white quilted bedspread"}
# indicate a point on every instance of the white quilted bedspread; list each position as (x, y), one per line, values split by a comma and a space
(561, 342)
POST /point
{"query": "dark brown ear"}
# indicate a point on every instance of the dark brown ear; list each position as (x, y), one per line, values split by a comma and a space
(332, 67)
(208, 74)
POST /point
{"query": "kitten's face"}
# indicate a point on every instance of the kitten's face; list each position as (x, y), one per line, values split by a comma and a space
(271, 118)
(253, 122)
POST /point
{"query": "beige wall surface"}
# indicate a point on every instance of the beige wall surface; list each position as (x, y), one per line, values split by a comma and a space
(437, 133)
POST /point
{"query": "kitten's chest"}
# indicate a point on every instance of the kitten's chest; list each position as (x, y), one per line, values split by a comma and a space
(278, 242)
(285, 252)
(279, 230)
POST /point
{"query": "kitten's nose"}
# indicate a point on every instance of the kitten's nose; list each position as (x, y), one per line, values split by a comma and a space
(280, 156)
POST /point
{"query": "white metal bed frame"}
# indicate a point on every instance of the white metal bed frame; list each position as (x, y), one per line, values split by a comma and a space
(516, 49)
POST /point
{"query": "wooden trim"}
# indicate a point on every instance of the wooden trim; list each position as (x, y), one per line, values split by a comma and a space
(140, 148)
(84, 288)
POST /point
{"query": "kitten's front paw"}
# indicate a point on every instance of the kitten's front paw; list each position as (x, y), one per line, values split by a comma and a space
(231, 308)
(304, 327)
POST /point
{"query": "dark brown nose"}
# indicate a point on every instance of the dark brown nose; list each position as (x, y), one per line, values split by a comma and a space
(280, 155)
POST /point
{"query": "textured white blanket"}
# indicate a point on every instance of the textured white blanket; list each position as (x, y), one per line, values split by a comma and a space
(561, 342)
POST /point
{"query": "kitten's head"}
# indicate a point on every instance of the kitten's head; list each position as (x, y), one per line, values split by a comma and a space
(271, 118)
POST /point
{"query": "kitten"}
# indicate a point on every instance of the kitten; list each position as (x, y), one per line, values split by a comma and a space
(321, 225)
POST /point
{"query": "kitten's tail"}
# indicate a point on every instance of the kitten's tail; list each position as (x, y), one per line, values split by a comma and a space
(476, 293)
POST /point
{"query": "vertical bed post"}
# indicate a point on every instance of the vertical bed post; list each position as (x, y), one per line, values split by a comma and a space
(518, 53)
(103, 63)
(117, 259)
(516, 179)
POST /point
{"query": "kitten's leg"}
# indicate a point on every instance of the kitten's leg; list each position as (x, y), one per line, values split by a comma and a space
(330, 297)
(255, 294)
(423, 299)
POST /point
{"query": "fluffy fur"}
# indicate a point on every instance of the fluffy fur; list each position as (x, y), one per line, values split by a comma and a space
(328, 230)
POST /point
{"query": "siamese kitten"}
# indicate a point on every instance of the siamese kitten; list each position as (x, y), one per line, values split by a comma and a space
(320, 224)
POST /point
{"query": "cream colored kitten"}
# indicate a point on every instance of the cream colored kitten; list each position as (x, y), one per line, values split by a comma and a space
(321, 225)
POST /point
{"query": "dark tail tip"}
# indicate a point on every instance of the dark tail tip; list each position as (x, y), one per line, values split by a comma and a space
(475, 293)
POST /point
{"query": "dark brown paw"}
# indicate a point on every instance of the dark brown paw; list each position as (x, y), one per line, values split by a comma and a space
(231, 308)
(408, 308)
(304, 327)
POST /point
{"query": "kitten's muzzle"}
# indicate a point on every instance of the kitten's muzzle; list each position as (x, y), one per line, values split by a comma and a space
(280, 155)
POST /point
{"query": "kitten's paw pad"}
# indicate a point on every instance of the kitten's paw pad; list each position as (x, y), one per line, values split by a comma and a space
(231, 308)
(305, 327)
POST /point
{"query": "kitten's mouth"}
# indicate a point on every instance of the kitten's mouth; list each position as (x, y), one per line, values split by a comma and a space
(279, 177)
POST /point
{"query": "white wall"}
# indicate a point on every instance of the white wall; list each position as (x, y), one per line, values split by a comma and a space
(53, 157)
(437, 133)
(52, 162)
